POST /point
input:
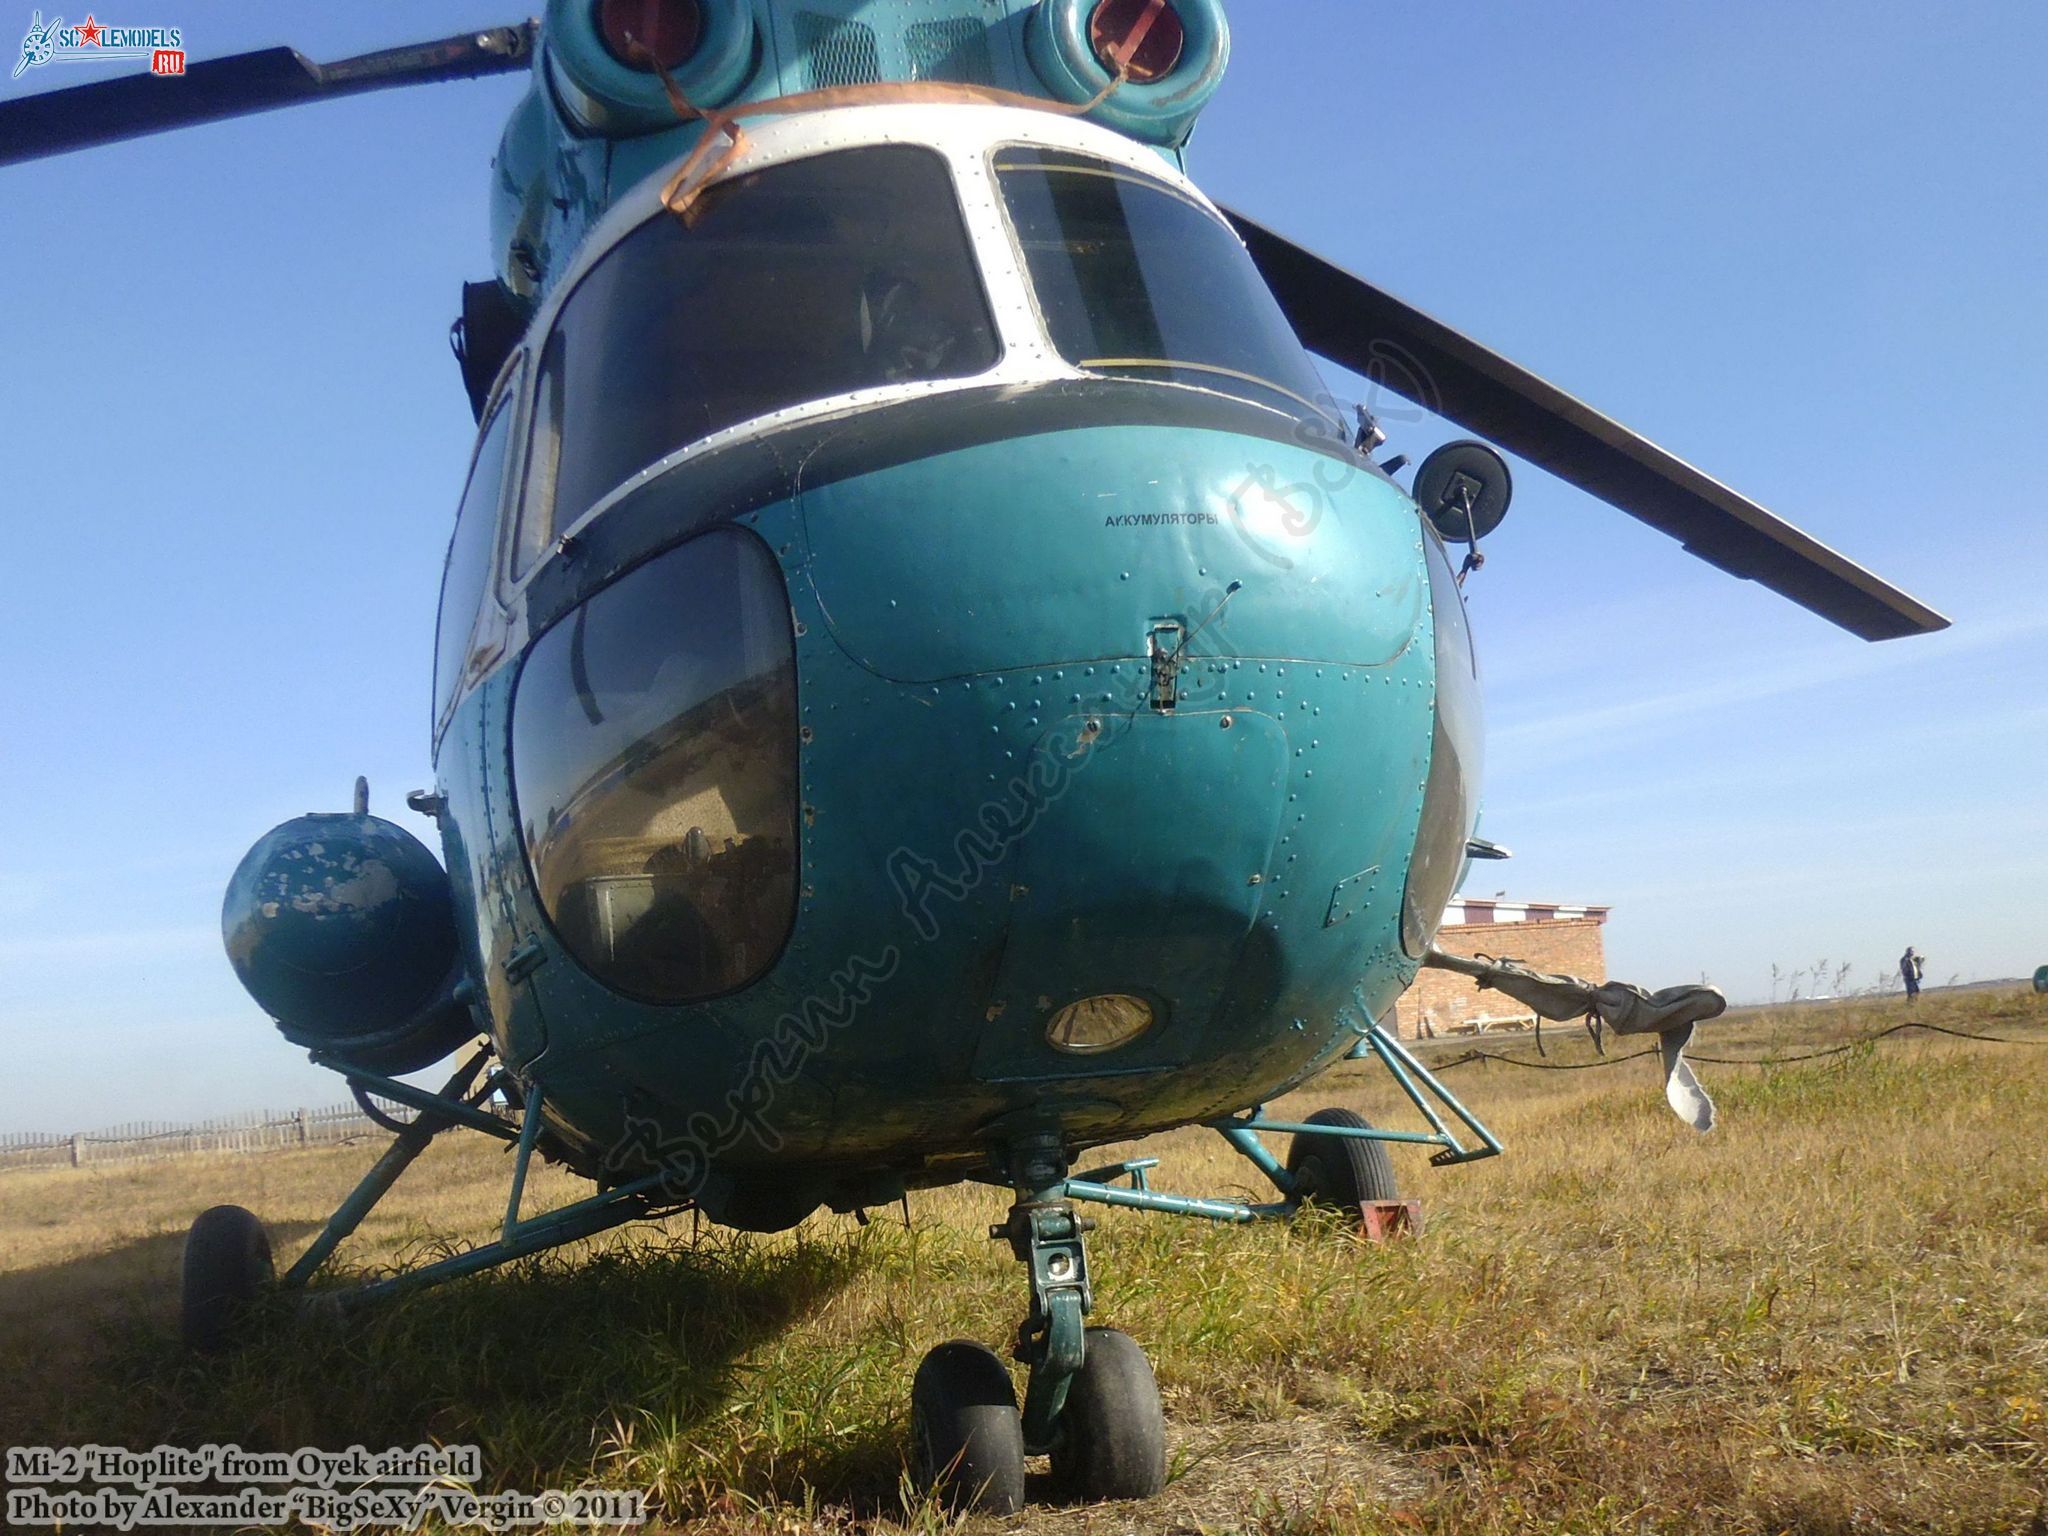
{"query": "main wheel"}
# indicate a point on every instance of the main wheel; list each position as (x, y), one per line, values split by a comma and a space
(1112, 1439)
(227, 1262)
(967, 1438)
(1341, 1171)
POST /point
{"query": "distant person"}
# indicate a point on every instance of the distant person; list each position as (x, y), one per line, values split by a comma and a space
(1911, 969)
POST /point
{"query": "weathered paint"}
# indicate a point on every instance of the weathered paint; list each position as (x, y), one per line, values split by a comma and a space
(1013, 797)
(343, 929)
(1011, 824)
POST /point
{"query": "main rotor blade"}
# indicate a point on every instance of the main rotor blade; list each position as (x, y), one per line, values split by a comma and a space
(130, 106)
(1369, 331)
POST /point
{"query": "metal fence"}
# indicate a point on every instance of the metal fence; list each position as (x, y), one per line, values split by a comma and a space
(256, 1131)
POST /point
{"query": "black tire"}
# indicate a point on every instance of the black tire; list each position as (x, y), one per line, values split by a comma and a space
(227, 1263)
(966, 1435)
(1339, 1171)
(1112, 1432)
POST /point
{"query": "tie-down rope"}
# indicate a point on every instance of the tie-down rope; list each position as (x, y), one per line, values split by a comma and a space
(1730, 1061)
(711, 159)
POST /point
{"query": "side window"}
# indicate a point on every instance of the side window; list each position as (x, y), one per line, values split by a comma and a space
(543, 464)
(469, 557)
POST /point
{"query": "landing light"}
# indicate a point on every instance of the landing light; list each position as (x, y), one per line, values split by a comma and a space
(1098, 1024)
(1158, 50)
(668, 29)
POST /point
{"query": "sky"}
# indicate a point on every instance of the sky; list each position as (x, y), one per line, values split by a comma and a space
(1805, 248)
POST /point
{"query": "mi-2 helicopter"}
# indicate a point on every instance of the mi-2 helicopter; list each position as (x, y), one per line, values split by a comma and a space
(926, 683)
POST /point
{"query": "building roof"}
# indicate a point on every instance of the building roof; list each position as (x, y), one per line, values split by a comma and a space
(1461, 913)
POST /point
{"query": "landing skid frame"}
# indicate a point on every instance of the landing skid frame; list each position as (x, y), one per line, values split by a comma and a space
(1438, 1105)
(1043, 1229)
(455, 1105)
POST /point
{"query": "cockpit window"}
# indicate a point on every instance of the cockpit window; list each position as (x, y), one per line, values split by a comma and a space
(468, 570)
(654, 762)
(839, 272)
(1136, 280)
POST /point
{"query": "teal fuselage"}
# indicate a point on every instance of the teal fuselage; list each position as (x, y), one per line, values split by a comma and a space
(998, 815)
(1110, 663)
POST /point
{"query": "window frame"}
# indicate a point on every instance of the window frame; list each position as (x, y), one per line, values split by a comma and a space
(511, 579)
(557, 308)
(505, 396)
(1116, 170)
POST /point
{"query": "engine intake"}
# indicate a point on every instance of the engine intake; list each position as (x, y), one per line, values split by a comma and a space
(1182, 49)
(710, 48)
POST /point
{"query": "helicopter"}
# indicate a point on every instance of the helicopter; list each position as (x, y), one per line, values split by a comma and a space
(927, 683)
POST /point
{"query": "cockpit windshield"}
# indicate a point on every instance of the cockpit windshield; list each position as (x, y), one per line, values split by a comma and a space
(1137, 280)
(825, 275)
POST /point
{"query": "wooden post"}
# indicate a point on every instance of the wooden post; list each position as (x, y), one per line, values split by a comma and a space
(301, 1117)
(77, 1149)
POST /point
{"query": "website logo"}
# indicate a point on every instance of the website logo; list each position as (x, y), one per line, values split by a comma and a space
(94, 42)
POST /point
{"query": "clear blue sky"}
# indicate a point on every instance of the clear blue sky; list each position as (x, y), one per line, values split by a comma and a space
(1804, 247)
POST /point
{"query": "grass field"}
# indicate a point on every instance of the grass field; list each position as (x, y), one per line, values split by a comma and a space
(1828, 1316)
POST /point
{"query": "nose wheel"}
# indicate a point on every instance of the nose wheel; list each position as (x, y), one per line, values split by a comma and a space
(966, 1435)
(1091, 1402)
(1112, 1433)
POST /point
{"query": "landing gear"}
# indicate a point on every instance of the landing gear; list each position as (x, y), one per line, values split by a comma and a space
(227, 1263)
(1342, 1172)
(966, 1436)
(1112, 1442)
(1090, 1400)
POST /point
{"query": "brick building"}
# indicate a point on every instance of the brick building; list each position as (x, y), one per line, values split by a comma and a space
(1540, 934)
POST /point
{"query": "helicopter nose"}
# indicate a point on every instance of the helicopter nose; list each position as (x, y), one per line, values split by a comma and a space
(1143, 879)
(1096, 544)
(1167, 679)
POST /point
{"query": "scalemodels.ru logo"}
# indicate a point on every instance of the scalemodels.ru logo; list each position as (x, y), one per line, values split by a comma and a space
(93, 42)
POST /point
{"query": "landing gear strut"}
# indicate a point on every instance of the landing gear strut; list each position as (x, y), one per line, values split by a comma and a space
(1090, 1400)
(1046, 1235)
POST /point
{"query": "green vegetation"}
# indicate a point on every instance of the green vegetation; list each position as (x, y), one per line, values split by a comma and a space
(1829, 1316)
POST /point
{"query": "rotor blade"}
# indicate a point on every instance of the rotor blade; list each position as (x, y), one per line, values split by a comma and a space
(1369, 331)
(82, 116)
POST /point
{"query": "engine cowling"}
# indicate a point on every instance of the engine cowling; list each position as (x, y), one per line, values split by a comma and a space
(342, 927)
(1066, 38)
(608, 94)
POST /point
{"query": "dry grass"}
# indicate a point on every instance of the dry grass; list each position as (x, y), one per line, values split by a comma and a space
(1830, 1316)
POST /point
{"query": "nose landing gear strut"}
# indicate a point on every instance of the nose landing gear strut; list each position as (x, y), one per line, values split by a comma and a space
(1090, 1400)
